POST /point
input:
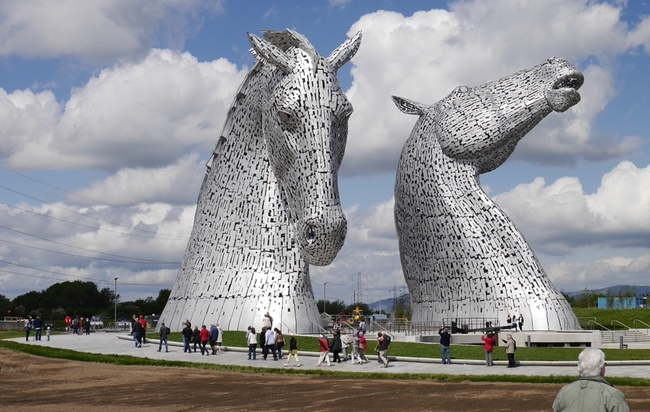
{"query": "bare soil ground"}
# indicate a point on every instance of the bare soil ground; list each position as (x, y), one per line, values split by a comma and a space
(30, 383)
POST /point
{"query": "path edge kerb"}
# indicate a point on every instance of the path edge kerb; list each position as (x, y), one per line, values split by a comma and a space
(431, 360)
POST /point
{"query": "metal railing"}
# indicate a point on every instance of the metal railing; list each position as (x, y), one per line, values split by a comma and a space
(319, 327)
(640, 321)
(614, 322)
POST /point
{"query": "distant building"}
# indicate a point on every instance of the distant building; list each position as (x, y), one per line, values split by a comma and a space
(620, 303)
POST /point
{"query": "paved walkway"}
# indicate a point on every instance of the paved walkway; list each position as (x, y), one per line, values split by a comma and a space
(122, 344)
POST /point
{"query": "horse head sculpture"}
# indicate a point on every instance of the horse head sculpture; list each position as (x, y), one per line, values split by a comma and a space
(305, 130)
(269, 204)
(461, 255)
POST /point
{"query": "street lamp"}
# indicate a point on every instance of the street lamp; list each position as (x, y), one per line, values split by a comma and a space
(324, 297)
(115, 299)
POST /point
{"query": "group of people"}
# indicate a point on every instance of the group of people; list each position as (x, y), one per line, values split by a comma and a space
(37, 325)
(489, 342)
(79, 326)
(139, 330)
(272, 342)
(515, 322)
(209, 341)
(341, 341)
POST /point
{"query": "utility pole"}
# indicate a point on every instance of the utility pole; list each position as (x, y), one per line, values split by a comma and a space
(324, 297)
(115, 299)
(359, 288)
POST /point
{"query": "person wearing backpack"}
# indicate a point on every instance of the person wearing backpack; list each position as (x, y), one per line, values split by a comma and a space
(511, 347)
(164, 333)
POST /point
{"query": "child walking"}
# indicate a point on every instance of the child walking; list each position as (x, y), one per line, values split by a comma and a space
(293, 351)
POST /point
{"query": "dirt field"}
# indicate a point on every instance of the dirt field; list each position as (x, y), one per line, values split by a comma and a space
(30, 383)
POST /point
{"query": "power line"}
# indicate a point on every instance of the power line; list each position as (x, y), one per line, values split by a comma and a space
(70, 276)
(87, 216)
(81, 248)
(140, 261)
(88, 226)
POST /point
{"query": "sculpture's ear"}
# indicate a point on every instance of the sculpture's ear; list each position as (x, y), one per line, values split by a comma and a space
(409, 106)
(345, 51)
(271, 54)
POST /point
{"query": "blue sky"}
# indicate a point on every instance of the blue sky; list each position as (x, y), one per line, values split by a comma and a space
(110, 109)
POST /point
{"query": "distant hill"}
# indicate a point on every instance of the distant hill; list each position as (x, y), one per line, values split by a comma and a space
(387, 304)
(615, 290)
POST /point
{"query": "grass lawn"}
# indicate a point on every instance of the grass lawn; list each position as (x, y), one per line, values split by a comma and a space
(428, 350)
(609, 318)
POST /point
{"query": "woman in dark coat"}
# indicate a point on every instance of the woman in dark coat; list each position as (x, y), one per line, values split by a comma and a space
(196, 337)
(336, 347)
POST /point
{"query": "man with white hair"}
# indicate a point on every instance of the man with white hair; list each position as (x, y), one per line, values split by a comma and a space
(591, 392)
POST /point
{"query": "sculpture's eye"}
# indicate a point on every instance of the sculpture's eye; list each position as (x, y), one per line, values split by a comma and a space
(285, 115)
(462, 89)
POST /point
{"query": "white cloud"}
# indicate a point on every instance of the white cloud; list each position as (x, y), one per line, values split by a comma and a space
(98, 29)
(560, 216)
(573, 277)
(424, 56)
(145, 114)
(176, 184)
(94, 244)
(370, 248)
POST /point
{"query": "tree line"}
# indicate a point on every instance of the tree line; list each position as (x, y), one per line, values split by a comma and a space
(79, 299)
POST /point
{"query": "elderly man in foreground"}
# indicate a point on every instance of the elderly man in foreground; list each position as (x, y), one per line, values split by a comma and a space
(591, 392)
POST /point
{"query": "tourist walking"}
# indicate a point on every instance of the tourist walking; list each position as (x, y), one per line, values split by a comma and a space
(164, 334)
(591, 392)
(382, 347)
(143, 322)
(362, 348)
(337, 347)
(346, 341)
(214, 334)
(521, 322)
(324, 350)
(137, 334)
(219, 339)
(28, 328)
(445, 343)
(187, 337)
(38, 328)
(279, 342)
(293, 351)
(270, 344)
(204, 335)
(252, 344)
(196, 337)
(488, 346)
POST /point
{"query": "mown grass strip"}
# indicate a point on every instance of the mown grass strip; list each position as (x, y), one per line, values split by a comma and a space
(125, 360)
(432, 351)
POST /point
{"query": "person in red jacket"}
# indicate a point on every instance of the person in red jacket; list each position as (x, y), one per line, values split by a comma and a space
(362, 348)
(205, 336)
(489, 346)
(324, 350)
(143, 322)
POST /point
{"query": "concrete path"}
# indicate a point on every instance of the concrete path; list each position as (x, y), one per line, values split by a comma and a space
(122, 344)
